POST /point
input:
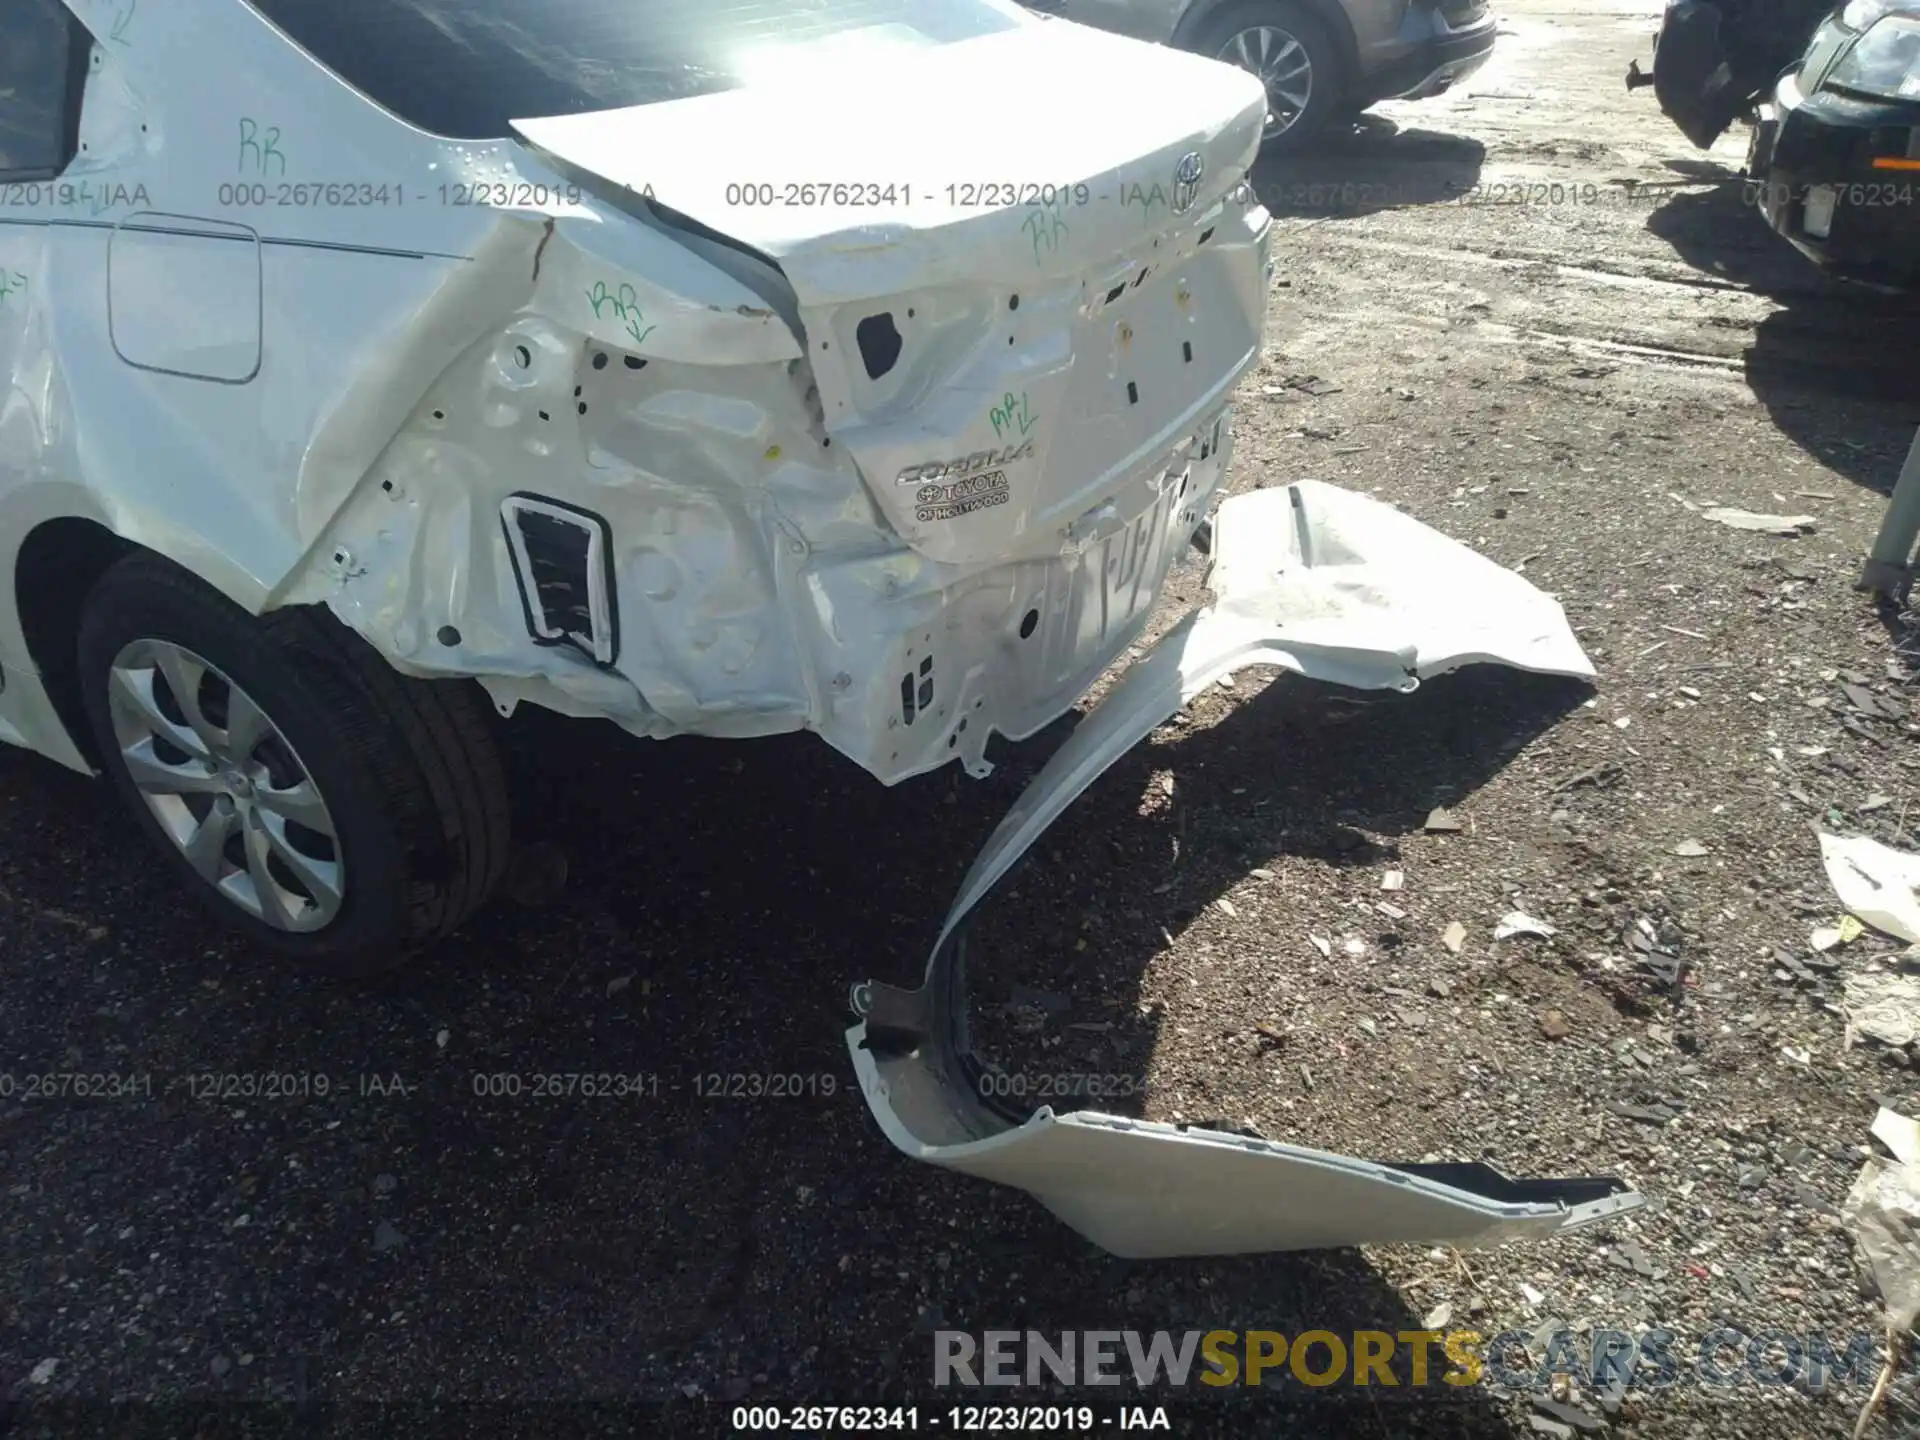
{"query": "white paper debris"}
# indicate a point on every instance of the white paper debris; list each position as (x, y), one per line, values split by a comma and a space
(1690, 849)
(1453, 937)
(1394, 880)
(1516, 922)
(1226, 907)
(1881, 1213)
(1885, 1006)
(1322, 944)
(1898, 1133)
(1879, 885)
(1765, 524)
(1824, 938)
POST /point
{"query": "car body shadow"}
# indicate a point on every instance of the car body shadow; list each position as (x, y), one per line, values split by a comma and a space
(1369, 165)
(1836, 365)
(1299, 770)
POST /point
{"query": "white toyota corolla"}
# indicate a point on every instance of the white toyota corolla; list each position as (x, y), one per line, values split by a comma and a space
(721, 367)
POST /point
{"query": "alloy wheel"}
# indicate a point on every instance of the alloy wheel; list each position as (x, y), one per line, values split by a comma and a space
(226, 786)
(1280, 62)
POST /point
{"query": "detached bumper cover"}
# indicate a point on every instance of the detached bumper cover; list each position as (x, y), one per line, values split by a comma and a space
(1692, 78)
(1333, 586)
(1713, 61)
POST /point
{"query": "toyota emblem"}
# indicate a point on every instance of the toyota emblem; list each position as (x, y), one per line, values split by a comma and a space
(1186, 181)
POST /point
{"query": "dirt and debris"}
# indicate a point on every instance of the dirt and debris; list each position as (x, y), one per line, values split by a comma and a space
(1516, 922)
(1600, 351)
(1884, 1006)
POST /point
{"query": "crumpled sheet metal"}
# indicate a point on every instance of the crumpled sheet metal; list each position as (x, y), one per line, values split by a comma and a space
(1330, 585)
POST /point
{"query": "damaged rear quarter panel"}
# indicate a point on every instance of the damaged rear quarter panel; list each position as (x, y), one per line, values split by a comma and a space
(638, 383)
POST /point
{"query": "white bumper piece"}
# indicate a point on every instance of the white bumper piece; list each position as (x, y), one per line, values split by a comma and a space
(1339, 588)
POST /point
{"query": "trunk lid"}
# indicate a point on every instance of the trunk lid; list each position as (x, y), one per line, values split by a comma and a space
(864, 180)
(995, 244)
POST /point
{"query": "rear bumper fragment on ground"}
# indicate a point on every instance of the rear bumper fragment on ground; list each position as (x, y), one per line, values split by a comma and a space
(1339, 588)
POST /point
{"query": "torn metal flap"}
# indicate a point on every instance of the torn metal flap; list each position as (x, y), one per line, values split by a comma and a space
(1341, 573)
(1330, 585)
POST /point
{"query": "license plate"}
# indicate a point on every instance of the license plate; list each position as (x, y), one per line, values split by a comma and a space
(1817, 218)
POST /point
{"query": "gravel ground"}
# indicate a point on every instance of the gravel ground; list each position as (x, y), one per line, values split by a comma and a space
(1566, 386)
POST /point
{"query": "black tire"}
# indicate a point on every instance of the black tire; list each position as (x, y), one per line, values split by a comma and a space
(408, 768)
(1328, 97)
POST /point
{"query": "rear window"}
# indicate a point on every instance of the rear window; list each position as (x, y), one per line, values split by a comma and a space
(465, 68)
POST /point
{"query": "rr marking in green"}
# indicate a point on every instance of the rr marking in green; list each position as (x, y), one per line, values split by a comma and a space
(1045, 225)
(625, 306)
(263, 143)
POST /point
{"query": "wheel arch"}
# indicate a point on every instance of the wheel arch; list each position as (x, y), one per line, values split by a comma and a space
(67, 541)
(1330, 13)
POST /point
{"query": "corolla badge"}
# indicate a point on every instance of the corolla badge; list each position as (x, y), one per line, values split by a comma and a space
(1186, 181)
(972, 464)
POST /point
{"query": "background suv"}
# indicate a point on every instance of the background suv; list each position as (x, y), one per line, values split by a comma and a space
(1318, 59)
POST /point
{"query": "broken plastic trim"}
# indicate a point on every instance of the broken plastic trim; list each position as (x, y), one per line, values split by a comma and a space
(1715, 60)
(557, 587)
(1330, 585)
(1691, 76)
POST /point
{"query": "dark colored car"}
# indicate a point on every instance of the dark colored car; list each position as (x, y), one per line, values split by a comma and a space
(1319, 60)
(1836, 162)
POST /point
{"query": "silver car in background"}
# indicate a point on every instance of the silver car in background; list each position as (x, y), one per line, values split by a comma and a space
(1320, 60)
